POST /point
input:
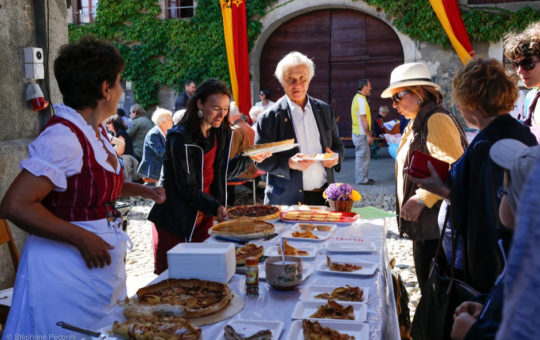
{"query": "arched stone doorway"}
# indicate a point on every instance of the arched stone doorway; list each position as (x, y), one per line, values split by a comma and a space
(346, 46)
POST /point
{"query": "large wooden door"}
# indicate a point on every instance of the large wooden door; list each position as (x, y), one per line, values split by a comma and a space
(346, 46)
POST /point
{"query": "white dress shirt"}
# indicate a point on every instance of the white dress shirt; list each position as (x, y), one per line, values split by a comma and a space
(308, 136)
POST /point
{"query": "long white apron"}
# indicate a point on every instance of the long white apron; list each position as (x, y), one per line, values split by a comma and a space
(54, 284)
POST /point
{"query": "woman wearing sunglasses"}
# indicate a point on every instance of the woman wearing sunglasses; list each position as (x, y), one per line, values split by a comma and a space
(432, 130)
(523, 50)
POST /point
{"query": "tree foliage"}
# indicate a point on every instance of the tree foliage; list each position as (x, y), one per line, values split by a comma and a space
(166, 52)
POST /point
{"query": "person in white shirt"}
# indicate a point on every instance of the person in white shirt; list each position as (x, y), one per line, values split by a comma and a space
(523, 50)
(312, 123)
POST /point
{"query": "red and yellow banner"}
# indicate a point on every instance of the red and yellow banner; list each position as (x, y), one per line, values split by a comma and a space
(450, 17)
(235, 29)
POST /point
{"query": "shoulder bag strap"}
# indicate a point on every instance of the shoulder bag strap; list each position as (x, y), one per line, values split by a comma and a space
(439, 244)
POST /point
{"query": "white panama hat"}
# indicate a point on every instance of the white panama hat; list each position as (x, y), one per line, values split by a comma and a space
(410, 74)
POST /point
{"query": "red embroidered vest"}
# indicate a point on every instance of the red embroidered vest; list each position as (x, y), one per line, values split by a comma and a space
(87, 192)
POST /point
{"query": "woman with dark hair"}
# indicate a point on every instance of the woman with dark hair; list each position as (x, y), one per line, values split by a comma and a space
(484, 93)
(432, 130)
(195, 171)
(72, 268)
(265, 102)
(123, 146)
(124, 116)
(121, 140)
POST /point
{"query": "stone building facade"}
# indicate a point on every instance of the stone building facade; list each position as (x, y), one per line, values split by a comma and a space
(24, 23)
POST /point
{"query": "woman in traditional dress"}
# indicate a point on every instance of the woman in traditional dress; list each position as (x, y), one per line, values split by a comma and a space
(72, 267)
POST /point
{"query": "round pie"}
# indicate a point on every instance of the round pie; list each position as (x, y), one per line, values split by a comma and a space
(243, 228)
(259, 212)
(189, 298)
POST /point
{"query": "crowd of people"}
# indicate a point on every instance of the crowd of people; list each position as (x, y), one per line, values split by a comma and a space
(468, 219)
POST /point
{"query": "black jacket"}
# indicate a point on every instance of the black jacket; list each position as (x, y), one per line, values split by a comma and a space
(283, 185)
(181, 101)
(474, 180)
(183, 178)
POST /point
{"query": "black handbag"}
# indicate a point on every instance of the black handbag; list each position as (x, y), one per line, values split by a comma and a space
(441, 295)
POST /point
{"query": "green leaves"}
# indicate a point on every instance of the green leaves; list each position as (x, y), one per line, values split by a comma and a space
(484, 24)
(166, 52)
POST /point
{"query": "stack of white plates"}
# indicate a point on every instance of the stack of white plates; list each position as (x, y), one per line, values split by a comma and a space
(204, 261)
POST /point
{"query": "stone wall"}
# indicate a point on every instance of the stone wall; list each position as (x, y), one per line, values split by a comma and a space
(23, 24)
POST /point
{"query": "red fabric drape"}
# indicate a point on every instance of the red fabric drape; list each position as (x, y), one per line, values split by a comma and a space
(458, 26)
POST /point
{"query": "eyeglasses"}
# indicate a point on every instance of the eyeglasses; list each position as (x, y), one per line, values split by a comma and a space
(526, 64)
(501, 192)
(396, 98)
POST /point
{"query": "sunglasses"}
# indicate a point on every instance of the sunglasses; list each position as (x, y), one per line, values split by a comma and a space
(501, 192)
(396, 98)
(526, 64)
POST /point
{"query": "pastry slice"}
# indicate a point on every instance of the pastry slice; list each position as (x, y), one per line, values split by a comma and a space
(305, 234)
(156, 327)
(313, 330)
(346, 293)
(248, 250)
(342, 267)
(231, 334)
(291, 251)
(333, 310)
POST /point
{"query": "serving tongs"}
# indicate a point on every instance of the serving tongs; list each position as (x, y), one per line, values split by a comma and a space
(78, 330)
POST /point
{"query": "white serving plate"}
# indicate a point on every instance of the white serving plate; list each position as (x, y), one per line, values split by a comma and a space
(322, 236)
(309, 292)
(272, 149)
(304, 309)
(333, 227)
(314, 157)
(307, 270)
(250, 327)
(350, 247)
(273, 251)
(360, 331)
(368, 268)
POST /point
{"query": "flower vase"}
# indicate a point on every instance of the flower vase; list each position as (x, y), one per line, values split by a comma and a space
(341, 205)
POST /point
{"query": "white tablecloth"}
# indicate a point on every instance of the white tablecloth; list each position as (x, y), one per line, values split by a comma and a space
(272, 304)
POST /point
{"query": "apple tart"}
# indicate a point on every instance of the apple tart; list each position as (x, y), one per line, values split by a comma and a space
(244, 228)
(189, 298)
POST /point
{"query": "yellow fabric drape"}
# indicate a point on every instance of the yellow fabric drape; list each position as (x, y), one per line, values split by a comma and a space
(228, 30)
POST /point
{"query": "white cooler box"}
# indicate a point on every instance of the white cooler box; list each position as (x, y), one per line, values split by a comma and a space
(204, 261)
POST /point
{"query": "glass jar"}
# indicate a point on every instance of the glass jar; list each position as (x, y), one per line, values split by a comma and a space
(252, 276)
